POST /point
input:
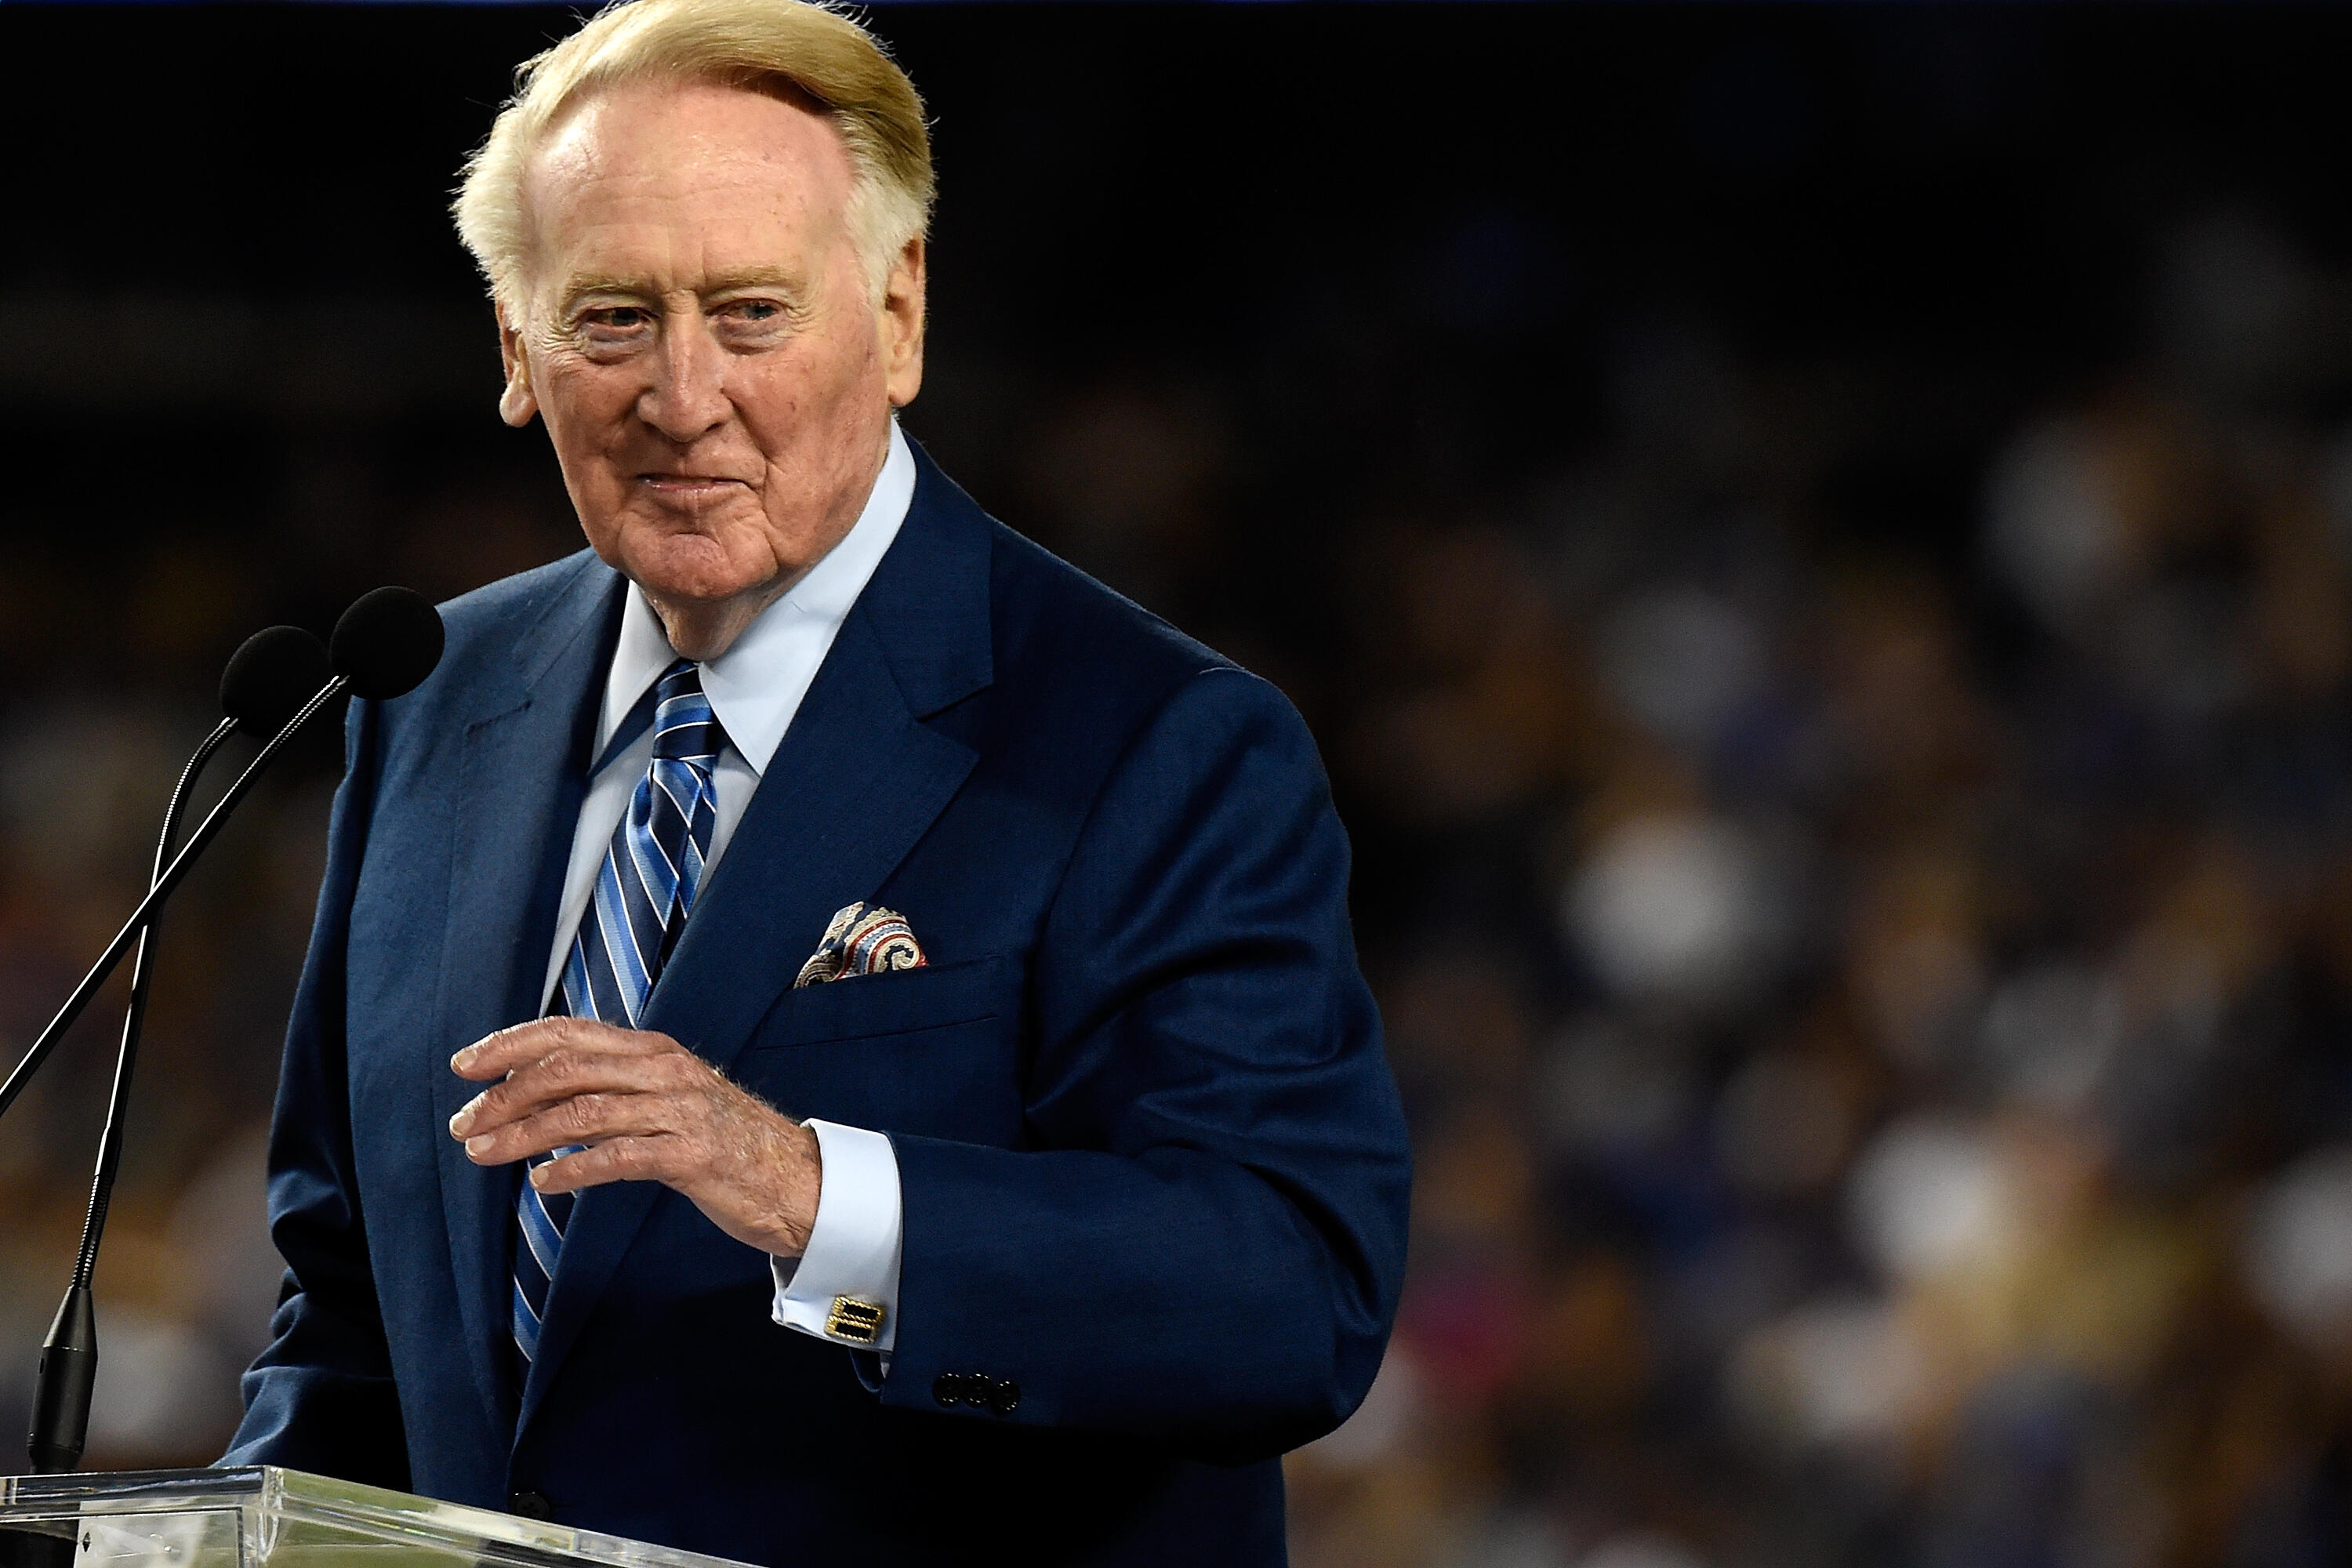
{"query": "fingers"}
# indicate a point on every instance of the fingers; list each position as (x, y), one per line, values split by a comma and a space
(653, 1157)
(569, 1072)
(639, 1107)
(494, 1056)
(583, 1118)
(761, 1189)
(572, 1081)
(752, 1171)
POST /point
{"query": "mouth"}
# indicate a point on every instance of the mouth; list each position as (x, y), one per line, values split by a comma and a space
(687, 487)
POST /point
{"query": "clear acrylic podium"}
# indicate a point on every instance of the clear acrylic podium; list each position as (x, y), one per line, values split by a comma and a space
(263, 1517)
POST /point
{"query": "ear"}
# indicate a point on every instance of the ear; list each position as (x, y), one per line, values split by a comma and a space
(517, 402)
(902, 325)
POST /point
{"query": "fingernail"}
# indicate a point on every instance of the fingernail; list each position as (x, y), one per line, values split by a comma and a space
(462, 1058)
(478, 1145)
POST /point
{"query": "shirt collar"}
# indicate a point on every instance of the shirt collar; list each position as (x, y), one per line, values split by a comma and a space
(756, 686)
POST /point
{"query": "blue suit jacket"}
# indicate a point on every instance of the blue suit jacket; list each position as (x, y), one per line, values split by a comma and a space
(1153, 1168)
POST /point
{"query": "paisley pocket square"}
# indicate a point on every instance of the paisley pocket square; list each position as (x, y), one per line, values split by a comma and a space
(864, 939)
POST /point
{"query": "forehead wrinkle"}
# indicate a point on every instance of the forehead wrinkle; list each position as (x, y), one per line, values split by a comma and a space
(580, 151)
(598, 188)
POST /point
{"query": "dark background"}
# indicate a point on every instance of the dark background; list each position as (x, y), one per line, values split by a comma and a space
(1814, 540)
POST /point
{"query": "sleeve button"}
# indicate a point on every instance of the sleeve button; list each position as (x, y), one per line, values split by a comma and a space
(1005, 1397)
(948, 1389)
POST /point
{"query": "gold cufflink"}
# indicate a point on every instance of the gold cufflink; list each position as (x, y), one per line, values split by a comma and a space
(859, 1322)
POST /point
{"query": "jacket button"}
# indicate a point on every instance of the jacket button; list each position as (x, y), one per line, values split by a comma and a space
(532, 1505)
(948, 1388)
(1005, 1397)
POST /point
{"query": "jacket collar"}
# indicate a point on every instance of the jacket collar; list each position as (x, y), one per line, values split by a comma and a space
(515, 737)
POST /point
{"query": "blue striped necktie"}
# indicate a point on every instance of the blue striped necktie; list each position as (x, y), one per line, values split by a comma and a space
(645, 891)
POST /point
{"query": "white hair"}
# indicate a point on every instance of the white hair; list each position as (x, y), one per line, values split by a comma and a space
(806, 53)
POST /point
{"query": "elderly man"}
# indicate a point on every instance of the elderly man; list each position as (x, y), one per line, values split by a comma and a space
(808, 791)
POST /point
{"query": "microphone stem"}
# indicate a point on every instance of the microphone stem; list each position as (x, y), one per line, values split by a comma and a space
(143, 966)
(206, 832)
(68, 1368)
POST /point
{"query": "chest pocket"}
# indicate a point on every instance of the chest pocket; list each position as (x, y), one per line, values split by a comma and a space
(933, 1051)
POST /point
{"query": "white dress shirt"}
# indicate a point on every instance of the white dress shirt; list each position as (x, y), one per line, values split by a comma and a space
(755, 687)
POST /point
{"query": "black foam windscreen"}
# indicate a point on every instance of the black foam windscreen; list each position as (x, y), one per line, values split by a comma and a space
(389, 640)
(270, 675)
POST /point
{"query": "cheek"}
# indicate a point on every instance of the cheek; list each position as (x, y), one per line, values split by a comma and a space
(583, 405)
(586, 415)
(818, 406)
(574, 391)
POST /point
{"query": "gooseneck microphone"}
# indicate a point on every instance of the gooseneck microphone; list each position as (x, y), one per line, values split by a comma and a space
(383, 645)
(268, 680)
(386, 644)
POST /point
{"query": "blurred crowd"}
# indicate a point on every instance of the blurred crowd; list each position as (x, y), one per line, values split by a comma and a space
(1874, 1019)
(1869, 977)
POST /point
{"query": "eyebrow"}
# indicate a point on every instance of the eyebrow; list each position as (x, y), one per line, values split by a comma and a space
(580, 285)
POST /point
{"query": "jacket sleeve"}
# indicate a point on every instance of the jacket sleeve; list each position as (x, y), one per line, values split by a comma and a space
(1206, 1246)
(321, 1397)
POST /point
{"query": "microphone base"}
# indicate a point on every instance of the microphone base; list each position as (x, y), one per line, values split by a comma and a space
(61, 1399)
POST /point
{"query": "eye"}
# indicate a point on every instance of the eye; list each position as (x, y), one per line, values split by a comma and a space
(620, 317)
(753, 313)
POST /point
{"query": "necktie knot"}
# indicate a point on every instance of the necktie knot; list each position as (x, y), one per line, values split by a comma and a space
(685, 729)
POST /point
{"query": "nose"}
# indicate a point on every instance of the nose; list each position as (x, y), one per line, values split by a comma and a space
(687, 396)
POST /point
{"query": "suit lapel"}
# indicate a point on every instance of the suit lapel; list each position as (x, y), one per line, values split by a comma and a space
(521, 770)
(854, 784)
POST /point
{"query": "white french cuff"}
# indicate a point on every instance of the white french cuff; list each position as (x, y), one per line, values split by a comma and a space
(844, 1286)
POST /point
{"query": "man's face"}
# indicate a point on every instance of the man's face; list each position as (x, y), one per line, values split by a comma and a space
(703, 343)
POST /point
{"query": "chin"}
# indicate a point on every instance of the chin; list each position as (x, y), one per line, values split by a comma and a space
(692, 567)
(684, 589)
